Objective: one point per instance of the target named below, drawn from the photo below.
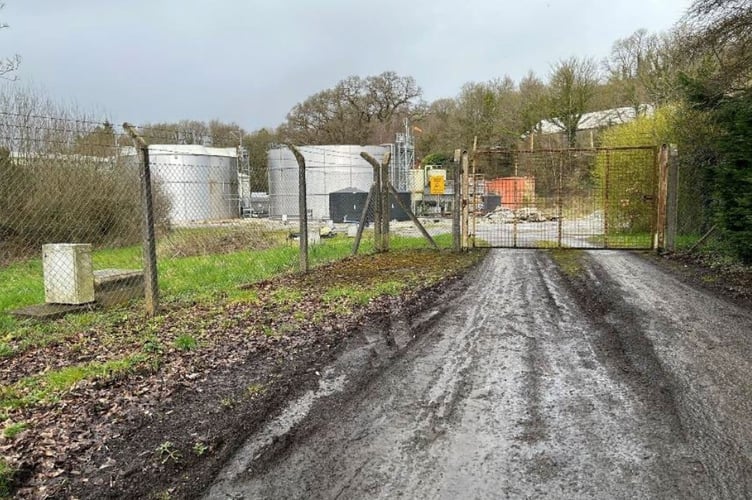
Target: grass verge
(570, 261)
(123, 341)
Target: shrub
(71, 199)
(734, 172)
(61, 179)
(631, 174)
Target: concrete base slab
(111, 287)
(51, 311)
(117, 286)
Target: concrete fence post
(151, 285)
(302, 208)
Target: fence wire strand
(71, 208)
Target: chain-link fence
(694, 198)
(72, 230)
(69, 207)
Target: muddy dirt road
(617, 382)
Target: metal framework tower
(403, 158)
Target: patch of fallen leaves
(732, 280)
(62, 435)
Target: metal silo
(328, 169)
(201, 182)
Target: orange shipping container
(515, 192)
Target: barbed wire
(55, 118)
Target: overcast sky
(251, 61)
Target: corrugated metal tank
(201, 182)
(328, 169)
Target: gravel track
(620, 383)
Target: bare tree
(723, 34)
(572, 85)
(258, 143)
(181, 132)
(224, 135)
(643, 68)
(489, 111)
(533, 95)
(8, 65)
(436, 133)
(357, 110)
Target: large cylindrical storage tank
(201, 182)
(328, 169)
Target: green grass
(547, 244)
(186, 342)
(346, 295)
(19, 335)
(685, 242)
(623, 240)
(13, 429)
(285, 295)
(201, 278)
(49, 386)
(21, 284)
(390, 288)
(6, 478)
(569, 261)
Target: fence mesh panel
(590, 198)
(213, 233)
(69, 205)
(695, 205)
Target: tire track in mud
(507, 395)
(620, 342)
(704, 343)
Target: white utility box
(314, 236)
(68, 273)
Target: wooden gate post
(457, 202)
(660, 226)
(465, 201)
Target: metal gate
(572, 198)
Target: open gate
(570, 198)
